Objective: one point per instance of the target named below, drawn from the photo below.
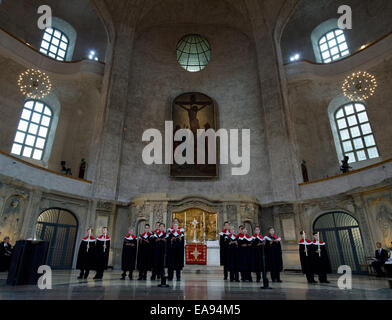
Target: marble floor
(194, 286)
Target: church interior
(77, 97)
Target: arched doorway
(342, 234)
(59, 227)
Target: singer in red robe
(128, 260)
(102, 254)
(86, 255)
(273, 251)
(305, 255)
(320, 259)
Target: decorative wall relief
(11, 218)
(232, 215)
(384, 222)
(157, 213)
(104, 206)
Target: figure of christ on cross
(193, 110)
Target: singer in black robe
(274, 259)
(305, 255)
(159, 254)
(145, 253)
(175, 253)
(245, 256)
(232, 257)
(5, 255)
(223, 247)
(86, 256)
(102, 255)
(258, 258)
(128, 260)
(320, 261)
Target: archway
(343, 236)
(59, 227)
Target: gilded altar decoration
(359, 86)
(200, 226)
(34, 84)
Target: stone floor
(194, 286)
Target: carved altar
(201, 217)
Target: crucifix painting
(194, 111)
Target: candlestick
(104, 242)
(89, 236)
(204, 227)
(185, 227)
(318, 240)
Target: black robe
(223, 246)
(159, 251)
(306, 259)
(145, 252)
(128, 258)
(232, 253)
(320, 262)
(102, 253)
(5, 256)
(244, 253)
(86, 258)
(273, 251)
(258, 255)
(175, 250)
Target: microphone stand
(265, 279)
(163, 283)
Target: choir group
(240, 254)
(150, 251)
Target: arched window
(33, 129)
(333, 46)
(355, 132)
(54, 44)
(329, 42)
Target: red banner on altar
(196, 254)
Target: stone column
(367, 237)
(270, 65)
(111, 139)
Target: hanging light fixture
(34, 84)
(359, 86)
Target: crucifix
(194, 223)
(193, 107)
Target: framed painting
(194, 111)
